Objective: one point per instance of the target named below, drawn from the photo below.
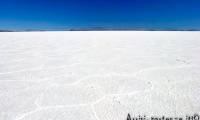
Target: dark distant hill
(193, 30)
(171, 29)
(98, 29)
(86, 29)
(6, 31)
(82, 29)
(32, 30)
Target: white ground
(99, 75)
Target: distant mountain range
(29, 30)
(86, 29)
(6, 31)
(103, 29)
(125, 29)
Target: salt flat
(99, 75)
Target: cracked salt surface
(98, 75)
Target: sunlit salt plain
(99, 75)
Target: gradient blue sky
(110, 14)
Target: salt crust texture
(98, 75)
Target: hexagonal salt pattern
(98, 75)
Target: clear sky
(110, 14)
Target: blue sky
(110, 14)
